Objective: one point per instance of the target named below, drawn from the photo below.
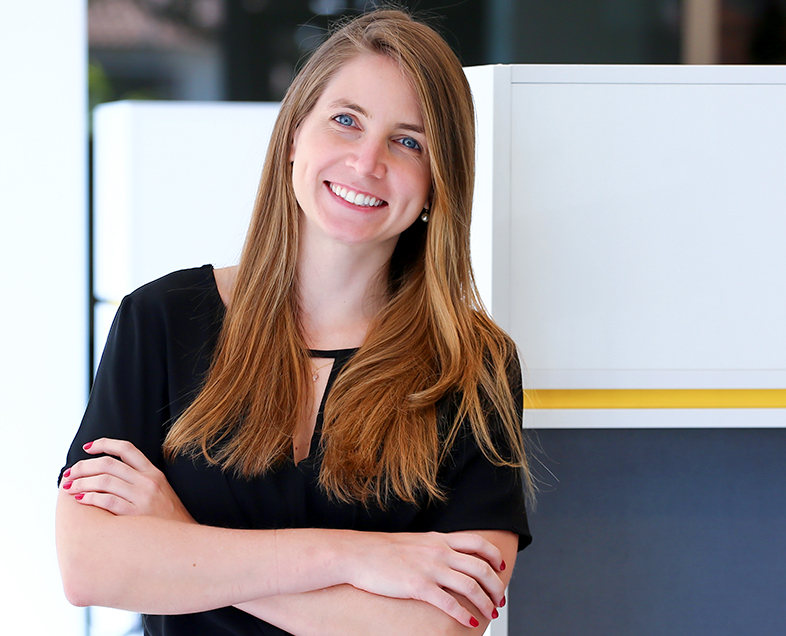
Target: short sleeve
(480, 495)
(128, 399)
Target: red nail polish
(79, 496)
(66, 473)
(87, 446)
(495, 614)
(502, 567)
(67, 485)
(474, 622)
(502, 602)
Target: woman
(273, 448)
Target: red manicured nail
(87, 446)
(67, 485)
(66, 473)
(474, 622)
(502, 567)
(502, 602)
(79, 496)
(495, 614)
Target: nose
(368, 157)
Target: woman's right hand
(428, 567)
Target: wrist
(312, 559)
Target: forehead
(372, 80)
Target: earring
(424, 216)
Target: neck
(341, 288)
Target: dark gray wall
(656, 533)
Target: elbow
(91, 581)
(86, 577)
(75, 596)
(76, 555)
(78, 585)
(75, 591)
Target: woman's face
(360, 168)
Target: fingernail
(87, 446)
(502, 566)
(502, 602)
(67, 485)
(474, 622)
(66, 473)
(495, 614)
(79, 496)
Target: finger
(123, 449)
(103, 465)
(105, 484)
(106, 501)
(470, 589)
(471, 543)
(440, 599)
(480, 571)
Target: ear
(293, 145)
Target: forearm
(346, 611)
(153, 565)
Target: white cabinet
(631, 223)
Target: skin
(118, 519)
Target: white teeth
(356, 197)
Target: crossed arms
(125, 540)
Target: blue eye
(344, 120)
(410, 143)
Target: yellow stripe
(655, 399)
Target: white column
(491, 205)
(43, 319)
(701, 31)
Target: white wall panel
(651, 225)
(43, 348)
(175, 184)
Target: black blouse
(155, 360)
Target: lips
(360, 199)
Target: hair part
(380, 437)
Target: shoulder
(184, 281)
(186, 290)
(181, 309)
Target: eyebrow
(342, 103)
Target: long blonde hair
(433, 341)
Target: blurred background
(248, 49)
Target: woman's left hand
(123, 482)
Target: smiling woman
(325, 439)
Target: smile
(356, 198)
